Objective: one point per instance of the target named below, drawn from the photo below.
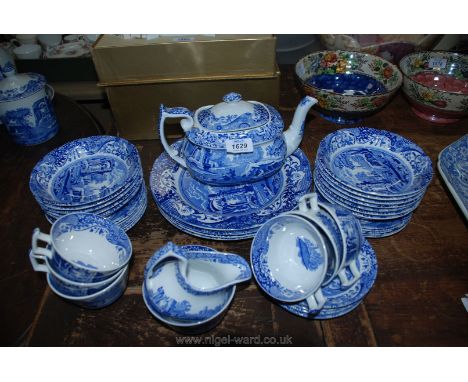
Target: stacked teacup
(311, 260)
(86, 259)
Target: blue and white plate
(453, 166)
(212, 234)
(241, 207)
(375, 162)
(339, 300)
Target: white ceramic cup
(49, 40)
(28, 51)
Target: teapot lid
(233, 114)
(20, 85)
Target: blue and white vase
(26, 108)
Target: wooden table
(423, 270)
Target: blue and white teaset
(236, 175)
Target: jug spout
(293, 136)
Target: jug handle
(186, 123)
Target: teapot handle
(186, 123)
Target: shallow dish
(436, 85)
(370, 82)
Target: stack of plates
(379, 176)
(100, 175)
(230, 212)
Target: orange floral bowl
(348, 85)
(436, 85)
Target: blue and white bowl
(100, 299)
(85, 171)
(100, 175)
(84, 247)
(379, 176)
(375, 162)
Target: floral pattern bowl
(353, 102)
(436, 85)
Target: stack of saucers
(226, 212)
(86, 259)
(314, 261)
(100, 175)
(379, 176)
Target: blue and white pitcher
(26, 108)
(234, 141)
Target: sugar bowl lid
(20, 86)
(233, 114)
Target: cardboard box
(167, 59)
(136, 107)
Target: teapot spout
(293, 136)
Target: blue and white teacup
(26, 108)
(84, 247)
(68, 287)
(352, 237)
(290, 260)
(100, 299)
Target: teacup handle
(38, 263)
(186, 123)
(50, 92)
(308, 203)
(37, 251)
(356, 275)
(316, 301)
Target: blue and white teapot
(234, 141)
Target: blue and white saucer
(240, 208)
(341, 301)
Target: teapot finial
(232, 97)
